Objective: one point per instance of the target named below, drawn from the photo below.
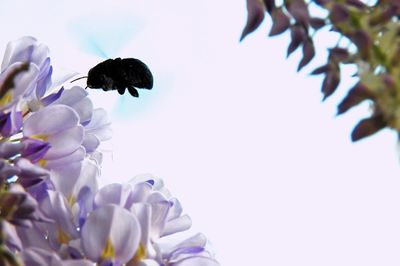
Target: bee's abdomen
(137, 73)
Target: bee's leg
(121, 91)
(133, 91)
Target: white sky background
(264, 169)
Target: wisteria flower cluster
(52, 211)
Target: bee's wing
(138, 74)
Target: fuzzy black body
(120, 74)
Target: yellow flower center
(140, 255)
(6, 98)
(42, 137)
(71, 200)
(108, 251)
(62, 237)
(42, 162)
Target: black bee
(120, 74)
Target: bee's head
(95, 79)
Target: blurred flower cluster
(51, 209)
(371, 30)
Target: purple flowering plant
(52, 211)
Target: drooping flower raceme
(51, 209)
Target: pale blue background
(265, 170)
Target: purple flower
(11, 122)
(34, 149)
(27, 49)
(23, 84)
(33, 82)
(77, 99)
(48, 146)
(96, 130)
(95, 121)
(29, 174)
(120, 224)
(111, 234)
(159, 215)
(12, 240)
(7, 171)
(18, 207)
(40, 257)
(59, 126)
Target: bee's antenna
(79, 78)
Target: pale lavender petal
(97, 157)
(84, 190)
(85, 205)
(50, 120)
(90, 142)
(186, 252)
(155, 182)
(99, 125)
(56, 207)
(39, 57)
(90, 172)
(34, 149)
(76, 97)
(176, 209)
(76, 156)
(71, 96)
(11, 237)
(140, 193)
(65, 142)
(84, 108)
(27, 209)
(158, 218)
(19, 50)
(196, 261)
(24, 82)
(77, 263)
(158, 197)
(45, 69)
(9, 149)
(113, 194)
(7, 170)
(15, 123)
(32, 237)
(40, 257)
(177, 225)
(109, 262)
(196, 240)
(27, 49)
(43, 83)
(115, 225)
(30, 174)
(143, 213)
(10, 123)
(64, 178)
(52, 97)
(39, 191)
(148, 262)
(74, 249)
